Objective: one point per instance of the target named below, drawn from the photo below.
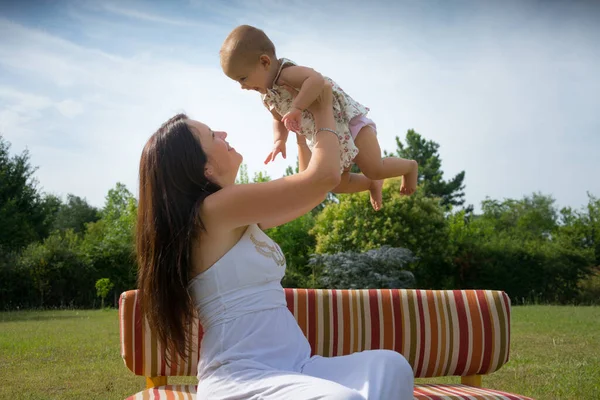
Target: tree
(581, 228)
(297, 244)
(58, 271)
(51, 205)
(103, 287)
(261, 177)
(382, 268)
(109, 242)
(519, 246)
(242, 175)
(16, 287)
(258, 176)
(21, 212)
(291, 171)
(75, 214)
(531, 217)
(593, 222)
(425, 152)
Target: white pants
(374, 374)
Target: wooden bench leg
(471, 380)
(153, 381)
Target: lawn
(70, 354)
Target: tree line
(66, 253)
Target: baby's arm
(310, 83)
(280, 135)
(279, 130)
(308, 80)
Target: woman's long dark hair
(172, 189)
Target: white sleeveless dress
(253, 348)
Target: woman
(201, 249)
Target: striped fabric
(421, 392)
(142, 353)
(447, 392)
(168, 392)
(441, 333)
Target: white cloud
(144, 16)
(69, 108)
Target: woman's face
(223, 161)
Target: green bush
(416, 223)
(383, 268)
(60, 274)
(529, 269)
(589, 288)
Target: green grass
(555, 354)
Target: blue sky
(509, 89)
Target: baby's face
(255, 78)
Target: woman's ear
(208, 170)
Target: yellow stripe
(366, 320)
(427, 327)
(319, 321)
(381, 319)
(495, 334)
(340, 323)
(354, 322)
(454, 332)
(470, 344)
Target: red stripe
(163, 366)
(396, 310)
(508, 395)
(175, 362)
(312, 321)
(335, 322)
(137, 339)
(487, 332)
(464, 334)
(374, 306)
(289, 298)
(420, 393)
(419, 368)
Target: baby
(248, 57)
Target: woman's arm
(282, 200)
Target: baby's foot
(409, 180)
(375, 191)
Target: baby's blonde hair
(243, 47)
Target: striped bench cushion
(441, 333)
(421, 392)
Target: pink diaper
(359, 122)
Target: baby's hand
(278, 147)
(291, 120)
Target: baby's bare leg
(373, 166)
(355, 183)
